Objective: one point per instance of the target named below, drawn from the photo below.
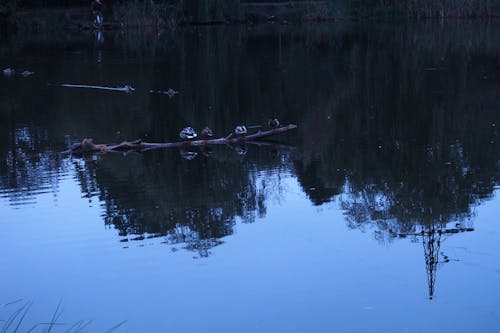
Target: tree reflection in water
(398, 125)
(191, 202)
(407, 142)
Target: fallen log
(87, 145)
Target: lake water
(379, 213)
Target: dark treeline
(170, 13)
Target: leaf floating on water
(27, 73)
(8, 72)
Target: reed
(16, 322)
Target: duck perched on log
(87, 145)
(206, 133)
(238, 135)
(187, 133)
(273, 123)
(240, 130)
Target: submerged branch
(87, 146)
(127, 88)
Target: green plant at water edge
(14, 323)
(15, 319)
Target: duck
(240, 130)
(86, 145)
(207, 132)
(76, 146)
(273, 123)
(187, 133)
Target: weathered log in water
(87, 146)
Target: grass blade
(54, 319)
(27, 307)
(82, 328)
(13, 302)
(75, 326)
(115, 327)
(12, 319)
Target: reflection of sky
(297, 269)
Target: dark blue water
(379, 213)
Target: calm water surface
(379, 213)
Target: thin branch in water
(126, 88)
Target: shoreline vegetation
(59, 14)
(18, 320)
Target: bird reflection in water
(241, 150)
(188, 154)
